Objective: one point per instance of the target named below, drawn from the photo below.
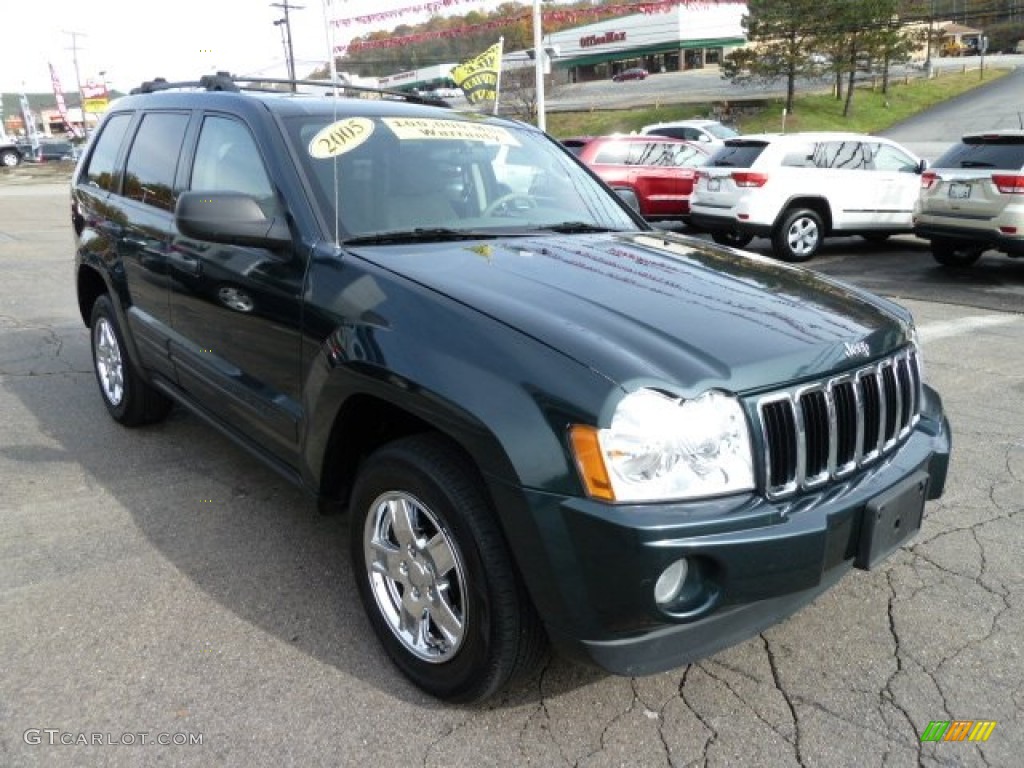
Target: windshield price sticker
(429, 128)
(340, 137)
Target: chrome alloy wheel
(416, 576)
(802, 236)
(109, 364)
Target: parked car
(800, 188)
(710, 132)
(545, 419)
(55, 151)
(633, 73)
(653, 174)
(972, 199)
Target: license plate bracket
(890, 519)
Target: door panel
(236, 310)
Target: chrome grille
(824, 431)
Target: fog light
(671, 581)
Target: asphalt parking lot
(159, 585)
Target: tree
(782, 36)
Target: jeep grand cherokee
(548, 421)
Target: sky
(125, 42)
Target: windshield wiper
(418, 235)
(571, 227)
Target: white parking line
(934, 331)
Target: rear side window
(659, 153)
(1005, 153)
(841, 155)
(614, 153)
(737, 154)
(102, 171)
(153, 158)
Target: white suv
(706, 132)
(799, 188)
(972, 199)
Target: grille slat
(826, 430)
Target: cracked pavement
(161, 581)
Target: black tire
(494, 634)
(876, 238)
(10, 158)
(732, 239)
(798, 236)
(130, 400)
(949, 253)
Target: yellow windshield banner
(416, 128)
(478, 77)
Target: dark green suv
(547, 421)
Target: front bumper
(753, 561)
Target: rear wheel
(952, 254)
(799, 235)
(434, 573)
(732, 239)
(130, 400)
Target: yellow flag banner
(478, 77)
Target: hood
(658, 308)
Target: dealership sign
(589, 41)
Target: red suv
(654, 174)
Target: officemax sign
(588, 41)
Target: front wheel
(129, 399)
(952, 254)
(434, 573)
(732, 239)
(9, 158)
(799, 235)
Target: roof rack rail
(224, 81)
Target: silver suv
(799, 188)
(973, 199)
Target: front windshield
(375, 176)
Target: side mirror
(229, 217)
(922, 166)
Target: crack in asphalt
(789, 739)
(542, 710)
(776, 679)
(887, 688)
(52, 349)
(637, 698)
(707, 725)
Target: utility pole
(288, 27)
(78, 79)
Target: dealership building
(680, 37)
(683, 37)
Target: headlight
(660, 448)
